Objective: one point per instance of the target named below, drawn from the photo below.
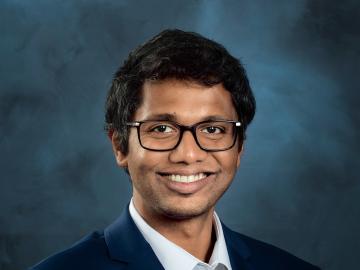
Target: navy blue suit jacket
(122, 247)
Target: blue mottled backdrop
(298, 186)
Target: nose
(187, 151)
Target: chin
(184, 212)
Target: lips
(186, 178)
(183, 177)
(185, 182)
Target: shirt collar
(170, 255)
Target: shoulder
(89, 253)
(266, 256)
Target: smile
(186, 182)
(186, 178)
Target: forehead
(188, 102)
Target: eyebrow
(172, 117)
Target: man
(176, 115)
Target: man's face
(154, 193)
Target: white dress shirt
(173, 257)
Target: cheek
(228, 161)
(142, 162)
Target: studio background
(298, 184)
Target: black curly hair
(180, 55)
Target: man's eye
(213, 130)
(162, 129)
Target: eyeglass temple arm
(133, 124)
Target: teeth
(186, 178)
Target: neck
(196, 235)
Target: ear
(121, 159)
(239, 155)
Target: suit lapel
(239, 252)
(126, 244)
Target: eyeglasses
(156, 135)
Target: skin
(182, 212)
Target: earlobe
(121, 159)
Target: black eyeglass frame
(182, 129)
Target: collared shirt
(173, 257)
